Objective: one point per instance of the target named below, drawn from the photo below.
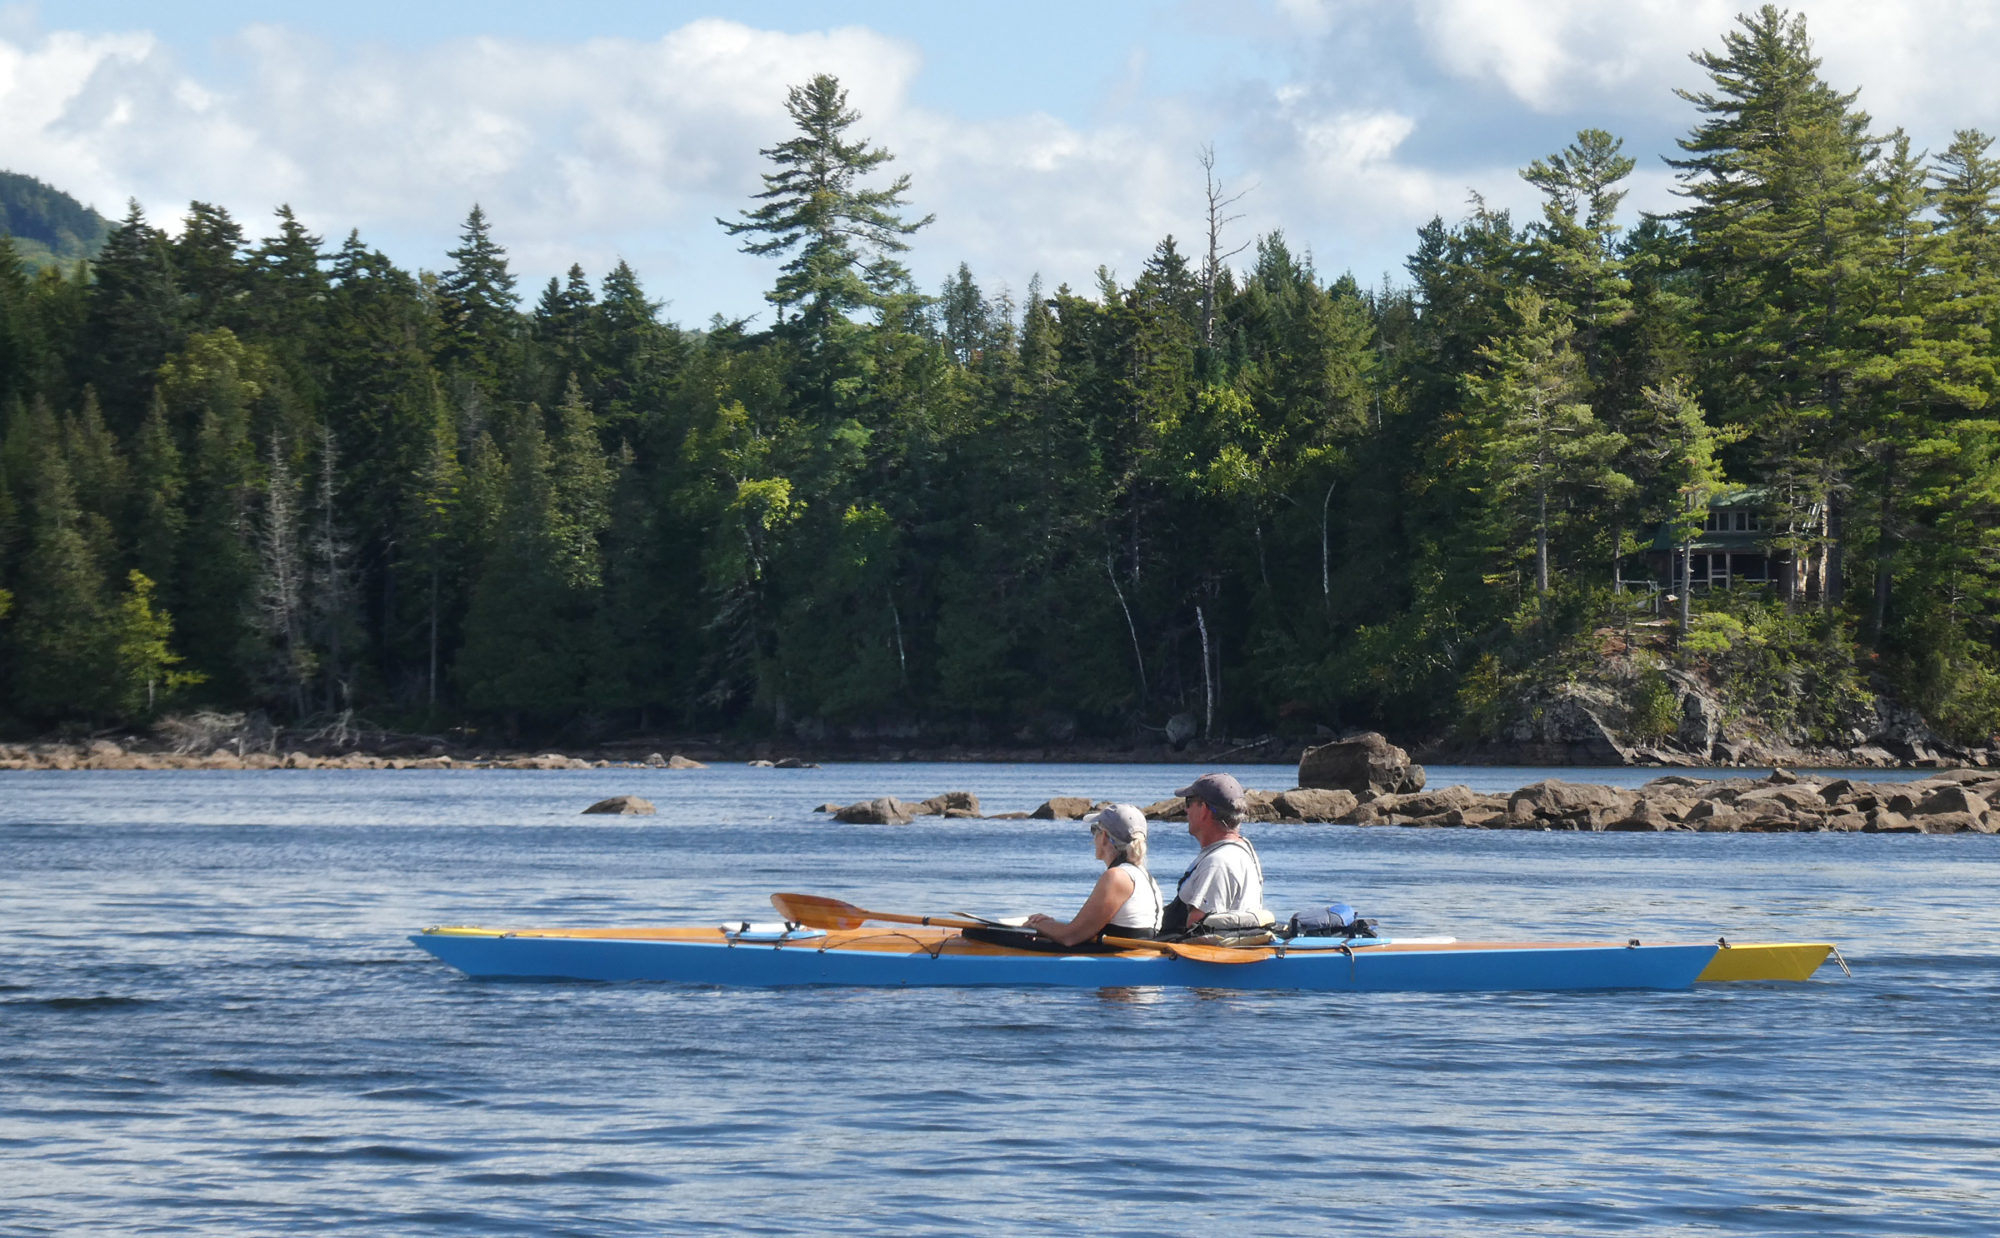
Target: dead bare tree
(1219, 202)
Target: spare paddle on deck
(813, 911)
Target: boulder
(1954, 799)
(1646, 817)
(1785, 798)
(1889, 821)
(1456, 797)
(760, 763)
(1768, 822)
(1314, 804)
(1677, 780)
(1569, 804)
(1063, 808)
(885, 811)
(1366, 762)
(1717, 820)
(1180, 729)
(951, 802)
(677, 761)
(1163, 810)
(827, 808)
(1847, 822)
(794, 763)
(1436, 820)
(1952, 822)
(1261, 805)
(623, 806)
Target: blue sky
(1046, 137)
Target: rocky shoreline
(1363, 781)
(1367, 781)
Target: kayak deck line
(922, 955)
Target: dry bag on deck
(1336, 920)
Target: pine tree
(1536, 444)
(842, 238)
(136, 317)
(1781, 218)
(156, 519)
(522, 657)
(61, 656)
(209, 265)
(476, 302)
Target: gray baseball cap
(1217, 791)
(1121, 823)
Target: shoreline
(132, 752)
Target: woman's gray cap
(1217, 791)
(1121, 823)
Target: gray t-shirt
(1224, 877)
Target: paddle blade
(1192, 952)
(815, 912)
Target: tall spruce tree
(136, 317)
(1781, 217)
(841, 237)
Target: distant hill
(47, 224)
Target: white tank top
(1144, 908)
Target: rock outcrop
(623, 806)
(887, 810)
(1365, 762)
(1063, 808)
(951, 804)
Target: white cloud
(1925, 64)
(1359, 122)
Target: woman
(1125, 902)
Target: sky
(1047, 138)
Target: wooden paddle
(813, 911)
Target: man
(1226, 876)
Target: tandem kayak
(778, 955)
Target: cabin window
(1752, 569)
(1742, 522)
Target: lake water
(211, 1023)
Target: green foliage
(1279, 497)
(1654, 710)
(1795, 669)
(143, 661)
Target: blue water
(210, 1022)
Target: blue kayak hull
(1459, 968)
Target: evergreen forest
(283, 473)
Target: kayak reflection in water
(1126, 900)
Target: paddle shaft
(815, 911)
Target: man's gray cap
(1217, 791)
(1121, 823)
